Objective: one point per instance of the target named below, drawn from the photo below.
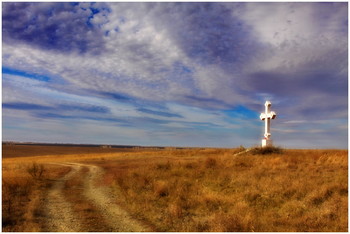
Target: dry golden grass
(24, 186)
(15, 193)
(210, 190)
(195, 189)
(21, 194)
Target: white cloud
(296, 34)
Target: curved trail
(61, 217)
(117, 218)
(243, 152)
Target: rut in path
(117, 218)
(60, 216)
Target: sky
(175, 74)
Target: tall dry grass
(211, 190)
(27, 175)
(194, 189)
(23, 186)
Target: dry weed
(209, 190)
(212, 190)
(23, 185)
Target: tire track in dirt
(60, 216)
(243, 152)
(116, 217)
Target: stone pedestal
(266, 142)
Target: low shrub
(161, 189)
(210, 162)
(36, 170)
(163, 166)
(267, 150)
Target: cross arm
(271, 115)
(262, 116)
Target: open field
(173, 190)
(42, 150)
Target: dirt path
(117, 218)
(243, 152)
(60, 215)
(62, 218)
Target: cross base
(266, 142)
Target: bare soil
(60, 215)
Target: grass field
(191, 189)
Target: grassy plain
(22, 191)
(193, 189)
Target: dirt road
(62, 218)
(60, 215)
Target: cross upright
(267, 116)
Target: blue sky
(175, 74)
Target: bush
(163, 166)
(161, 189)
(210, 162)
(36, 171)
(267, 150)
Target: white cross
(267, 116)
